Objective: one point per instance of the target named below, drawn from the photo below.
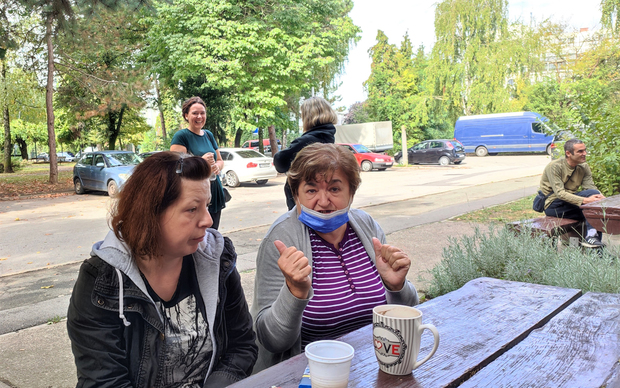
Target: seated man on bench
(561, 181)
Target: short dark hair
(323, 159)
(570, 145)
(188, 104)
(153, 186)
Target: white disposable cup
(330, 363)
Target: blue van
(504, 132)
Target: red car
(367, 159)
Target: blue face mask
(324, 223)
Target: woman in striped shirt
(323, 266)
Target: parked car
(442, 151)
(104, 171)
(44, 156)
(367, 159)
(145, 155)
(245, 165)
(66, 157)
(253, 144)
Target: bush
(503, 255)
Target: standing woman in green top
(200, 142)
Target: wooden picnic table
(494, 333)
(604, 215)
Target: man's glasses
(179, 169)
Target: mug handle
(435, 346)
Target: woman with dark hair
(323, 266)
(200, 142)
(159, 303)
(318, 119)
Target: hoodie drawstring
(121, 297)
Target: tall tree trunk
(238, 137)
(49, 102)
(8, 167)
(272, 140)
(161, 113)
(111, 129)
(114, 127)
(23, 147)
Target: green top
(199, 145)
(562, 181)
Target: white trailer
(377, 136)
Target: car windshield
(250, 154)
(361, 149)
(127, 159)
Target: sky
(395, 17)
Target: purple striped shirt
(346, 288)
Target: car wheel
(112, 188)
(459, 162)
(77, 184)
(549, 150)
(231, 179)
(261, 182)
(444, 161)
(366, 166)
(482, 151)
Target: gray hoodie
(206, 261)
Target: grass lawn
(508, 212)
(32, 179)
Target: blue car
(104, 171)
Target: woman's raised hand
(296, 269)
(392, 265)
(209, 157)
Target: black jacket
(110, 354)
(323, 133)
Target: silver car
(104, 171)
(246, 165)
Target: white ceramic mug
(396, 335)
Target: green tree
(100, 74)
(393, 88)
(253, 56)
(16, 31)
(58, 15)
(585, 101)
(466, 57)
(358, 113)
(610, 10)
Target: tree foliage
(252, 54)
(610, 10)
(473, 56)
(358, 113)
(100, 74)
(394, 88)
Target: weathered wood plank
(579, 348)
(604, 215)
(476, 323)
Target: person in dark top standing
(200, 142)
(318, 119)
